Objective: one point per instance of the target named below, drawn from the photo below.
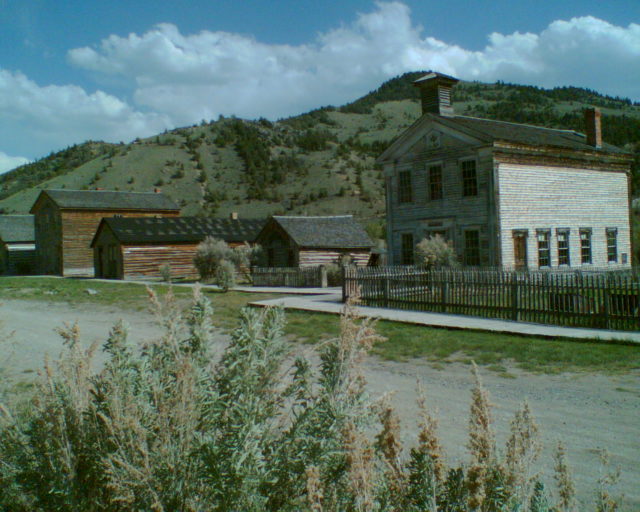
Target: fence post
(514, 298)
(323, 276)
(444, 293)
(344, 284)
(607, 306)
(385, 291)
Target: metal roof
(180, 229)
(17, 228)
(109, 200)
(338, 231)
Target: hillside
(321, 162)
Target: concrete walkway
(331, 303)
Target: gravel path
(586, 411)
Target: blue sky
(76, 70)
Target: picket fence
(606, 300)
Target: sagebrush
(171, 427)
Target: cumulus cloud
(11, 162)
(175, 79)
(191, 77)
(36, 119)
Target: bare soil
(587, 411)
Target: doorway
(520, 249)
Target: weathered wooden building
(506, 194)
(137, 248)
(66, 222)
(312, 241)
(17, 245)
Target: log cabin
(66, 222)
(17, 245)
(138, 248)
(505, 194)
(291, 241)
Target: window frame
(561, 249)
(469, 183)
(583, 248)
(407, 250)
(547, 234)
(614, 232)
(435, 184)
(405, 187)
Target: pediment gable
(427, 135)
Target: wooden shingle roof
(530, 135)
(330, 232)
(180, 229)
(17, 228)
(109, 200)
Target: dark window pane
(407, 249)
(404, 187)
(469, 178)
(472, 248)
(435, 182)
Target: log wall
(317, 257)
(78, 230)
(144, 262)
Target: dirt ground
(586, 411)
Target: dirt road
(586, 411)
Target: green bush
(167, 427)
(435, 251)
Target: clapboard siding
(545, 197)
(454, 213)
(317, 257)
(145, 261)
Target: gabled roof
(528, 134)
(17, 228)
(179, 229)
(491, 131)
(334, 232)
(108, 200)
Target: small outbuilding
(137, 248)
(291, 241)
(17, 245)
(66, 222)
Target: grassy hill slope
(321, 162)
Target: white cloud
(176, 79)
(35, 119)
(191, 77)
(8, 163)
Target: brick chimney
(157, 190)
(435, 93)
(593, 127)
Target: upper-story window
(585, 246)
(435, 182)
(469, 178)
(405, 189)
(563, 247)
(612, 245)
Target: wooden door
(520, 251)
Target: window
(469, 178)
(612, 245)
(406, 254)
(404, 187)
(563, 247)
(435, 182)
(472, 248)
(544, 248)
(585, 246)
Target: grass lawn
(405, 341)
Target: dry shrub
(164, 427)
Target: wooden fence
(305, 277)
(607, 300)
